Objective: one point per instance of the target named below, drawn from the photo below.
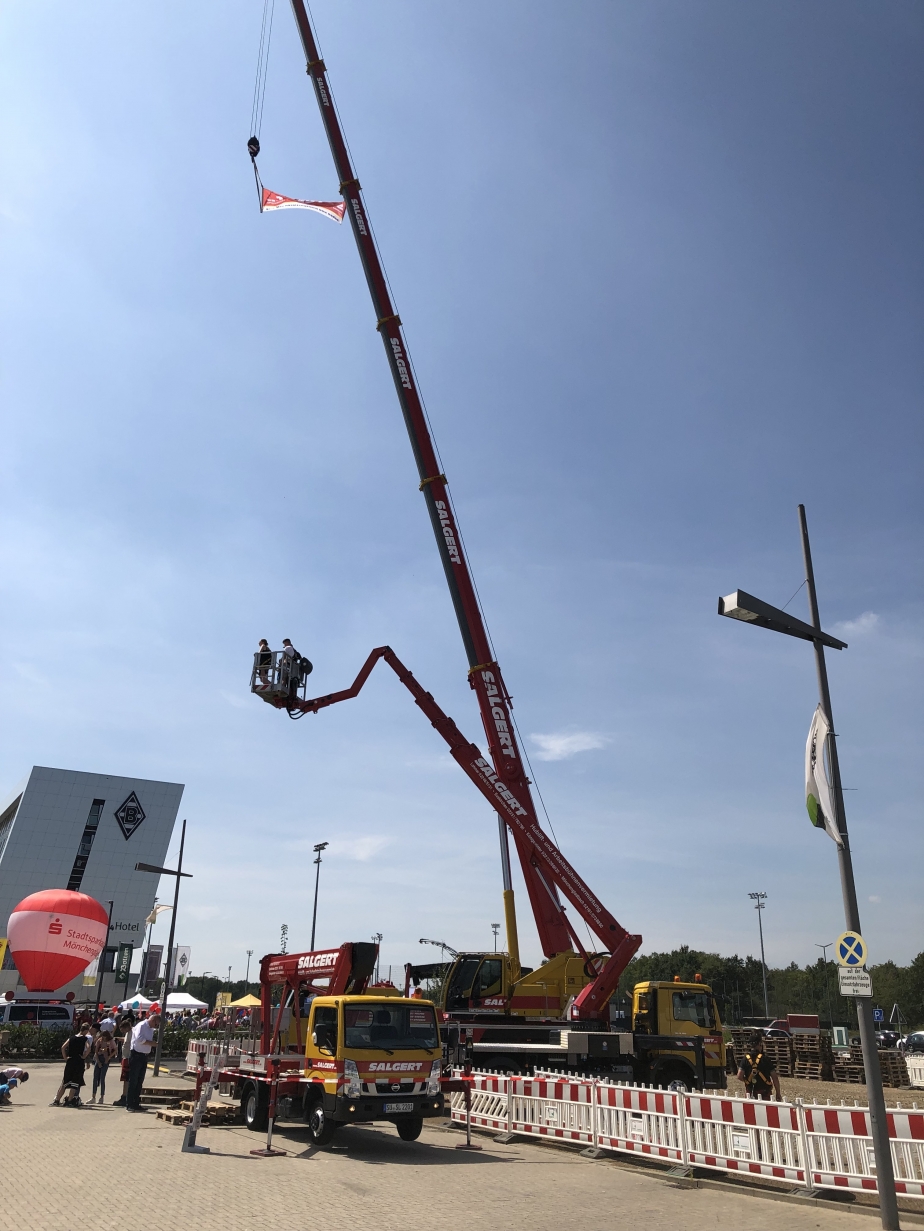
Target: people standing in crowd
(104, 1052)
(126, 1025)
(74, 1053)
(143, 1038)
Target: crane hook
(253, 147)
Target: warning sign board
(854, 982)
(851, 949)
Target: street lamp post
(179, 874)
(759, 899)
(743, 606)
(317, 876)
(247, 975)
(824, 954)
(495, 928)
(378, 940)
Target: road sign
(854, 982)
(878, 1015)
(851, 950)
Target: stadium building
(63, 829)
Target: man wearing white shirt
(144, 1036)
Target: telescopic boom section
(544, 868)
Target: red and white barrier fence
(203, 1052)
(816, 1146)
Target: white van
(36, 1012)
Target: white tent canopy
(182, 1000)
(136, 1002)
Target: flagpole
(879, 1128)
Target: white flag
(179, 966)
(819, 790)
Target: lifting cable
(259, 90)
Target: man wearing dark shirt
(758, 1072)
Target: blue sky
(660, 270)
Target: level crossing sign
(851, 950)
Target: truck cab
(371, 1058)
(679, 1010)
(489, 983)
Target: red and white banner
(330, 209)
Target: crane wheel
(320, 1129)
(409, 1128)
(255, 1107)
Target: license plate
(393, 1107)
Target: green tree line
(738, 985)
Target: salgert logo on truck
(394, 1066)
(318, 961)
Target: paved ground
(101, 1169)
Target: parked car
(34, 1013)
(913, 1042)
(887, 1038)
(777, 1028)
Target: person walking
(143, 1039)
(103, 1054)
(758, 1071)
(74, 1053)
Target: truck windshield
(693, 1007)
(390, 1027)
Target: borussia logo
(130, 815)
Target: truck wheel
(255, 1107)
(409, 1128)
(320, 1129)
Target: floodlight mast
(544, 876)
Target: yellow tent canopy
(245, 1002)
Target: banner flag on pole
(330, 209)
(819, 793)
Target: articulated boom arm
(545, 868)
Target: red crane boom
(545, 869)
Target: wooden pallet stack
(780, 1052)
(813, 1058)
(849, 1067)
(894, 1069)
(739, 1045)
(216, 1113)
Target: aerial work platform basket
(279, 677)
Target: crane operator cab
(279, 675)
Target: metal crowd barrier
(816, 1146)
(204, 1052)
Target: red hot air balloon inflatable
(54, 935)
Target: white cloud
(864, 623)
(559, 746)
(874, 897)
(361, 849)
